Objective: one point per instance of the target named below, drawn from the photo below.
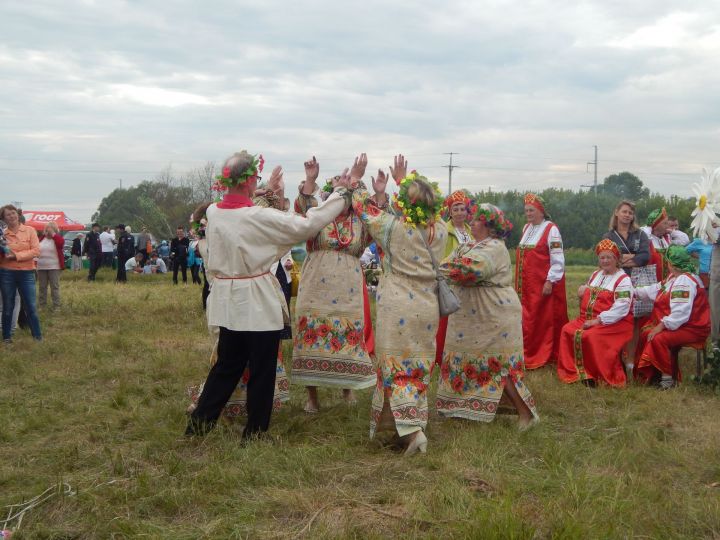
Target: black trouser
(107, 258)
(95, 262)
(206, 289)
(179, 264)
(121, 275)
(195, 273)
(236, 350)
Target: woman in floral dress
(484, 348)
(332, 310)
(407, 306)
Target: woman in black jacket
(635, 255)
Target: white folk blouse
(243, 244)
(532, 235)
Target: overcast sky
(95, 92)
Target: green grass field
(100, 405)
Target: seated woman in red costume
(681, 316)
(590, 346)
(540, 284)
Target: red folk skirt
(543, 317)
(594, 353)
(654, 356)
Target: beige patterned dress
(484, 342)
(407, 314)
(329, 347)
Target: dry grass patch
(100, 405)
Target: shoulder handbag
(447, 300)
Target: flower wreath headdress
(414, 211)
(231, 177)
(492, 217)
(328, 187)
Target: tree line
(168, 200)
(584, 216)
(161, 204)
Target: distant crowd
(137, 254)
(29, 258)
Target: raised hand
(380, 183)
(358, 168)
(399, 171)
(276, 184)
(312, 169)
(342, 180)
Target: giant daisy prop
(707, 193)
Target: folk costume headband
(493, 218)
(656, 217)
(537, 201)
(457, 197)
(608, 245)
(416, 211)
(681, 259)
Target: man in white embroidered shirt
(246, 301)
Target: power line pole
(450, 169)
(594, 163)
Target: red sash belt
(243, 277)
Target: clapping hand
(380, 183)
(399, 171)
(358, 168)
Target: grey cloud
(522, 90)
